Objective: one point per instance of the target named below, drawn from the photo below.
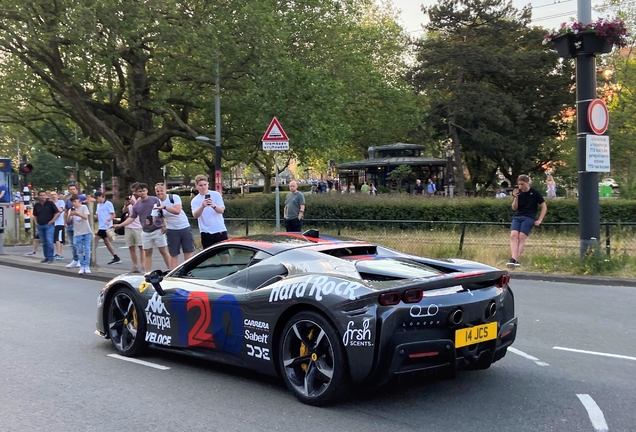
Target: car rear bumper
(434, 354)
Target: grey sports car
(325, 314)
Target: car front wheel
(312, 359)
(126, 324)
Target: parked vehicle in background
(609, 182)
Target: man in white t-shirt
(208, 208)
(178, 231)
(58, 233)
(104, 215)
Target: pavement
(14, 257)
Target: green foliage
(138, 80)
(592, 264)
(499, 93)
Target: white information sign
(597, 153)
(275, 145)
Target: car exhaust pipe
(491, 310)
(456, 317)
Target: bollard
(1, 230)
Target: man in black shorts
(525, 202)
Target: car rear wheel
(312, 359)
(126, 324)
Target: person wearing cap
(104, 216)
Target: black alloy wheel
(126, 323)
(312, 359)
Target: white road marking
(528, 356)
(595, 353)
(596, 415)
(141, 362)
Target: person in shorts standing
(60, 223)
(525, 202)
(104, 215)
(133, 236)
(178, 231)
(152, 225)
(208, 208)
(294, 208)
(79, 215)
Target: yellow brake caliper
(135, 318)
(304, 350)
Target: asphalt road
(56, 375)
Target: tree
(137, 78)
(495, 91)
(399, 174)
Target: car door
(205, 313)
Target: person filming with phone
(153, 229)
(525, 202)
(208, 208)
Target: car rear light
(503, 280)
(412, 296)
(504, 334)
(424, 354)
(389, 298)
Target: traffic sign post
(275, 139)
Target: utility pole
(589, 211)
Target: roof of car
(279, 242)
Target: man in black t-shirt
(45, 212)
(525, 202)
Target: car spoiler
(413, 290)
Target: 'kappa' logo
(156, 305)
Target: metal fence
(485, 241)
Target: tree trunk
(457, 149)
(140, 165)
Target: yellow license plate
(473, 335)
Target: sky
(546, 13)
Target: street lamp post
(77, 173)
(218, 175)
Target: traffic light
(26, 168)
(18, 207)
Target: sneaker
(58, 257)
(135, 270)
(82, 270)
(87, 270)
(73, 264)
(115, 260)
(47, 261)
(512, 263)
(30, 253)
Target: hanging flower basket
(564, 45)
(570, 45)
(594, 38)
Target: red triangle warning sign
(275, 132)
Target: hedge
(407, 207)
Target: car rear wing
(449, 283)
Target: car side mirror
(155, 278)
